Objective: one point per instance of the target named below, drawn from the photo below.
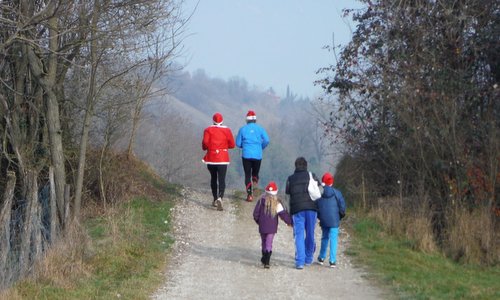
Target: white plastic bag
(313, 188)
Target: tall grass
(469, 235)
(119, 254)
(417, 275)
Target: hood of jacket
(328, 191)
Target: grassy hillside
(117, 252)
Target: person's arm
(230, 139)
(256, 211)
(284, 215)
(239, 139)
(206, 140)
(265, 139)
(342, 206)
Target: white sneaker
(219, 203)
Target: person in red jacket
(217, 139)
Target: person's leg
(213, 179)
(325, 231)
(221, 174)
(263, 247)
(310, 244)
(269, 242)
(269, 249)
(255, 171)
(333, 235)
(298, 233)
(247, 168)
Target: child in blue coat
(331, 208)
(266, 213)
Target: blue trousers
(304, 223)
(329, 235)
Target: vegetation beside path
(118, 252)
(416, 275)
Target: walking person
(217, 140)
(266, 213)
(304, 212)
(252, 139)
(331, 209)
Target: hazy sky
(270, 43)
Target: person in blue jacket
(331, 209)
(252, 139)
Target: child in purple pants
(266, 213)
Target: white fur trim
(250, 118)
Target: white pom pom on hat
(272, 188)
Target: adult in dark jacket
(331, 206)
(304, 213)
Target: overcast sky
(270, 43)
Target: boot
(267, 260)
(262, 259)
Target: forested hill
(170, 136)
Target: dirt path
(217, 256)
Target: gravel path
(217, 256)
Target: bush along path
(217, 255)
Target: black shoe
(333, 265)
(321, 260)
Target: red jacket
(217, 140)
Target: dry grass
(472, 237)
(419, 229)
(64, 262)
(410, 221)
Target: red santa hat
(272, 188)
(251, 116)
(327, 179)
(217, 118)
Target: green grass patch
(417, 275)
(160, 184)
(127, 256)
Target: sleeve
(206, 140)
(284, 215)
(256, 211)
(287, 189)
(239, 139)
(342, 206)
(265, 139)
(230, 139)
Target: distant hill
(175, 124)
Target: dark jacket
(330, 205)
(296, 187)
(268, 223)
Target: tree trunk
(89, 112)
(28, 222)
(5, 216)
(53, 207)
(47, 81)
